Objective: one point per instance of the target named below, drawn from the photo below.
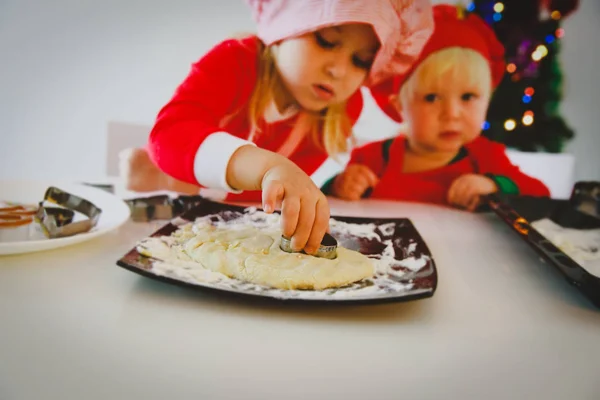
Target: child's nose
(451, 108)
(337, 67)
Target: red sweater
(214, 98)
(482, 156)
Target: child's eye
(322, 42)
(431, 97)
(468, 96)
(362, 64)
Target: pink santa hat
(402, 26)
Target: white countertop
(501, 325)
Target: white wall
(68, 67)
(580, 55)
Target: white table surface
(501, 325)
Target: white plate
(29, 238)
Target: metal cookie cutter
(327, 249)
(145, 209)
(58, 222)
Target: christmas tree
(524, 111)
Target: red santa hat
(454, 27)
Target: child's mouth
(324, 92)
(449, 135)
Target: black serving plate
(519, 211)
(406, 283)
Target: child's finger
(357, 189)
(372, 178)
(451, 196)
(366, 181)
(468, 193)
(272, 194)
(476, 198)
(349, 195)
(471, 197)
(355, 181)
(462, 194)
(290, 211)
(354, 195)
(359, 179)
(320, 226)
(458, 196)
(351, 189)
(473, 203)
(306, 220)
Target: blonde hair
(329, 130)
(457, 63)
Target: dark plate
(402, 284)
(519, 212)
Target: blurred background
(72, 68)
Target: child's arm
(304, 208)
(186, 141)
(188, 144)
(508, 177)
(496, 174)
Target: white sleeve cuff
(212, 158)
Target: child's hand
(466, 190)
(353, 182)
(304, 208)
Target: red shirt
(483, 157)
(214, 98)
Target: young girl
(444, 100)
(262, 113)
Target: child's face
(326, 67)
(447, 115)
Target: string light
(540, 52)
(497, 17)
(511, 68)
(550, 39)
(527, 118)
(510, 124)
(555, 15)
(471, 7)
(560, 32)
(542, 49)
(485, 126)
(499, 7)
(526, 99)
(529, 91)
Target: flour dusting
(393, 272)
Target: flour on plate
(389, 273)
